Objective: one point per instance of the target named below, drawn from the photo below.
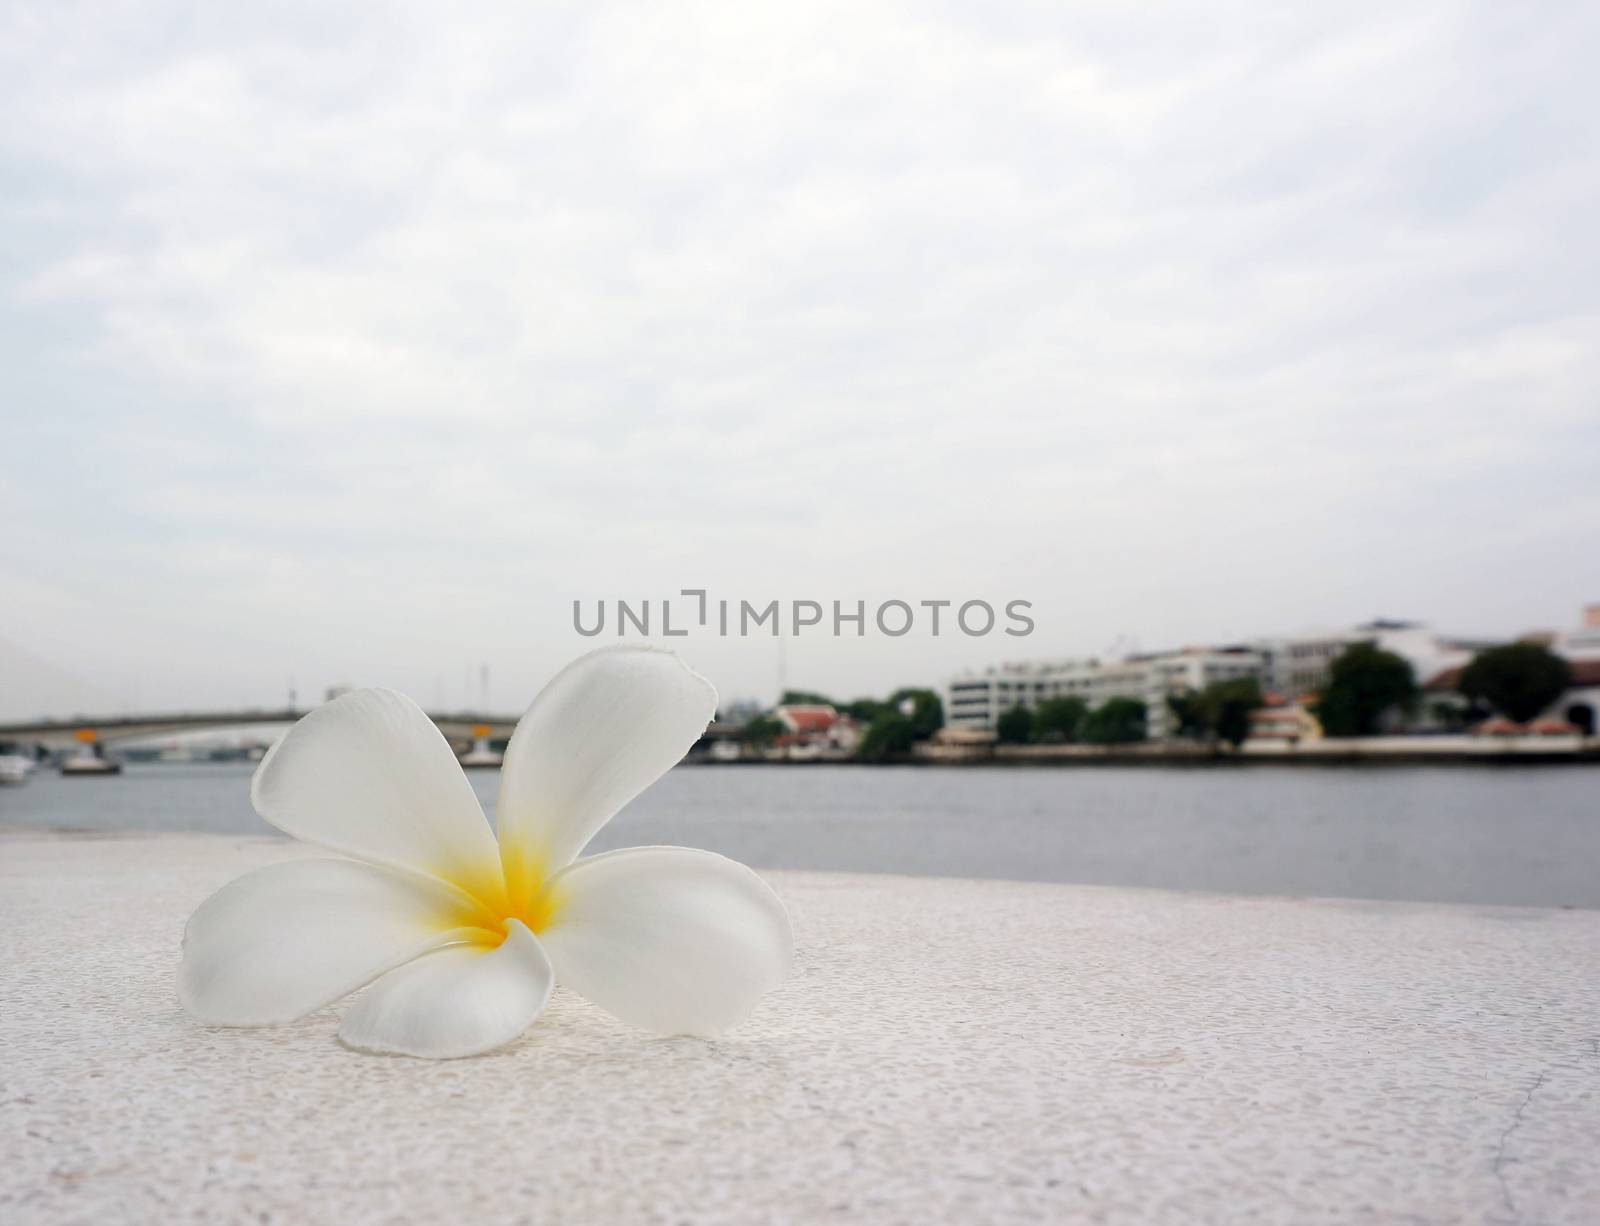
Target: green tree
(1227, 706)
(1188, 710)
(1117, 721)
(864, 710)
(1364, 684)
(1450, 714)
(1518, 679)
(804, 698)
(889, 736)
(926, 713)
(1060, 718)
(1014, 727)
(762, 730)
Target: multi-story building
(1298, 664)
(1427, 651)
(1292, 666)
(1295, 666)
(1578, 706)
(977, 700)
(1194, 668)
(1584, 642)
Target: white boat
(480, 756)
(90, 764)
(14, 768)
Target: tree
(1518, 679)
(864, 710)
(804, 698)
(1451, 714)
(1227, 706)
(1364, 684)
(1117, 721)
(1060, 718)
(1188, 710)
(926, 711)
(906, 716)
(890, 735)
(762, 730)
(1014, 727)
(1220, 712)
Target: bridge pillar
(480, 756)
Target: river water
(1490, 834)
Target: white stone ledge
(948, 1051)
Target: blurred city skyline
(340, 347)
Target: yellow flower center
(487, 906)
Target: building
(1584, 642)
(1578, 708)
(1191, 669)
(977, 700)
(1299, 664)
(1580, 705)
(1427, 651)
(1287, 723)
(815, 731)
(1295, 667)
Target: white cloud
(324, 314)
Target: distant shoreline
(1368, 751)
(1159, 761)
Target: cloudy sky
(347, 345)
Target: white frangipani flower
(461, 938)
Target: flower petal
(460, 1001)
(287, 939)
(369, 775)
(606, 727)
(674, 940)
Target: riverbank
(1342, 751)
(1194, 755)
(947, 1051)
(1339, 751)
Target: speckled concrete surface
(948, 1051)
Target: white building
(1290, 665)
(977, 700)
(1578, 706)
(1584, 642)
(1427, 651)
(1298, 665)
(816, 731)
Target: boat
(480, 756)
(90, 764)
(90, 758)
(15, 764)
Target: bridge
(463, 729)
(57, 734)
